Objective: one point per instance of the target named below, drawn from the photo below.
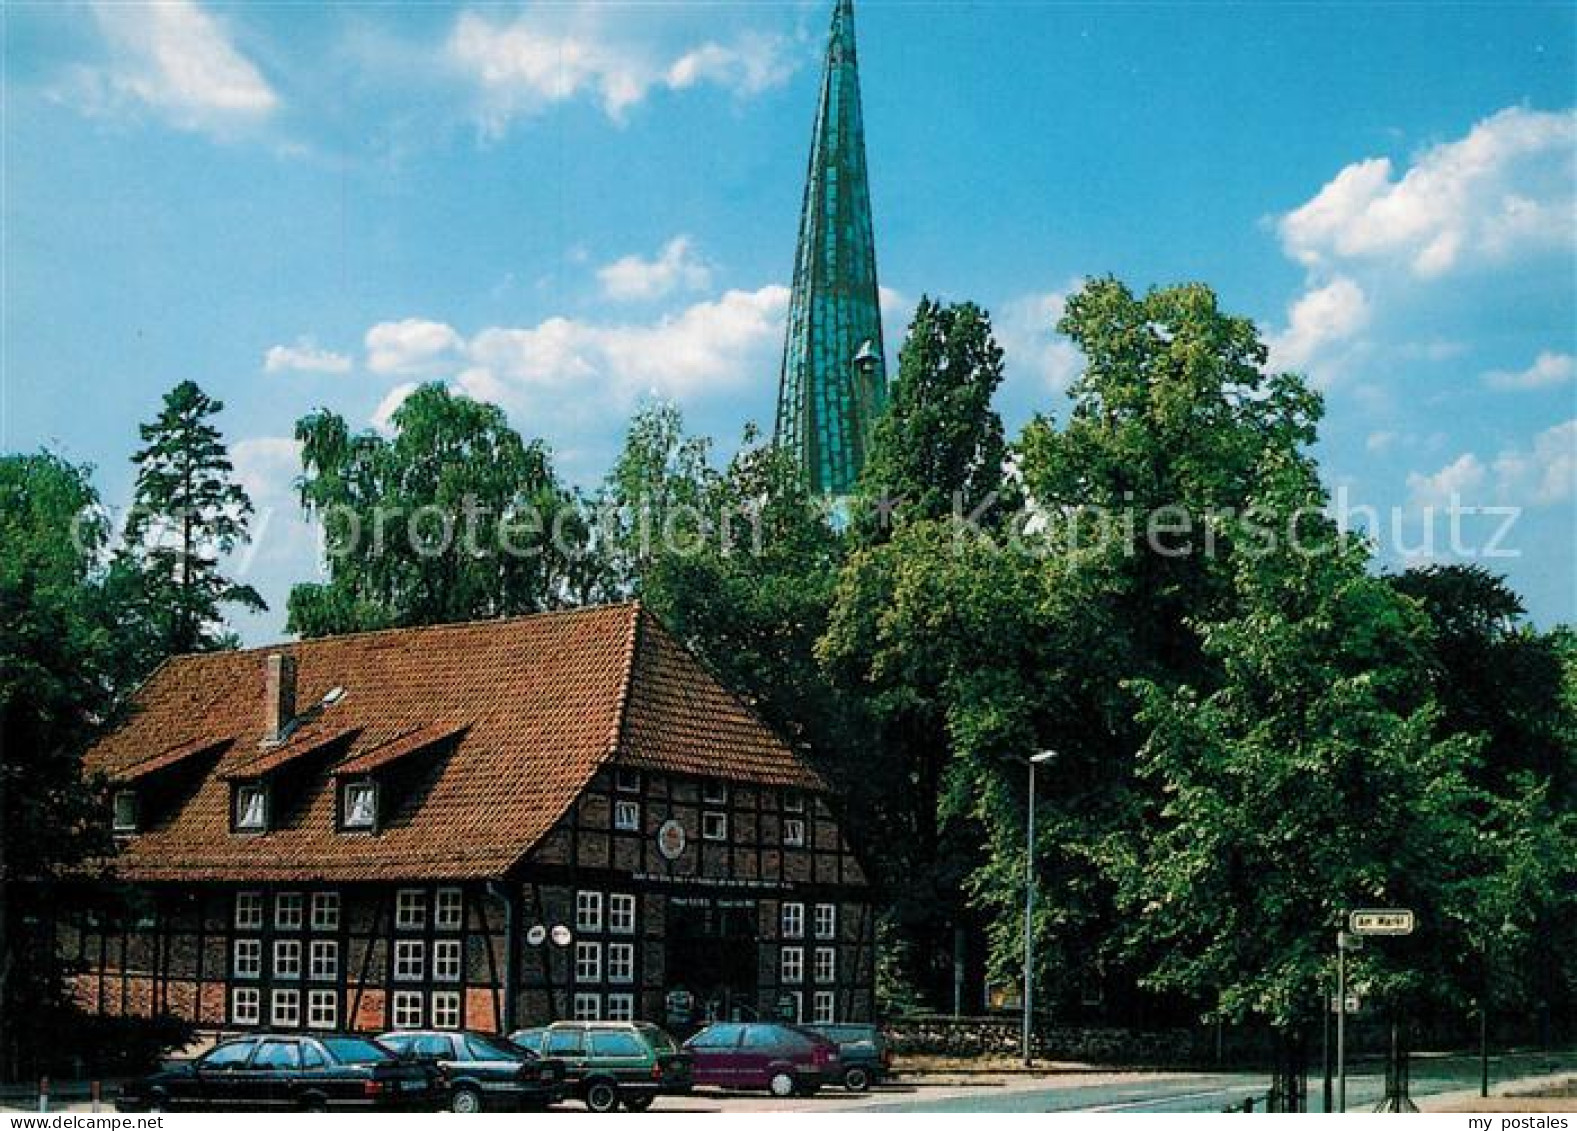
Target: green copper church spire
(834, 380)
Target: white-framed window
(249, 910)
(406, 1010)
(410, 960)
(714, 792)
(322, 1009)
(588, 962)
(323, 960)
(449, 909)
(798, 1008)
(621, 962)
(793, 832)
(251, 808)
(446, 1009)
(124, 812)
(588, 1007)
(627, 816)
(287, 958)
(823, 1008)
(793, 803)
(446, 960)
(588, 911)
(621, 1007)
(627, 781)
(248, 959)
(246, 1006)
(714, 826)
(325, 911)
(621, 914)
(410, 909)
(288, 911)
(791, 969)
(360, 805)
(826, 964)
(285, 1009)
(793, 921)
(826, 920)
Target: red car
(782, 1059)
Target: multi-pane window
(446, 1010)
(449, 909)
(793, 920)
(621, 962)
(714, 826)
(285, 1009)
(288, 911)
(621, 914)
(792, 967)
(796, 1006)
(826, 964)
(251, 808)
(248, 959)
(621, 1007)
(322, 1009)
(714, 792)
(125, 812)
(627, 781)
(588, 962)
(410, 909)
(627, 816)
(246, 1006)
(793, 832)
(325, 911)
(409, 960)
(823, 1011)
(793, 803)
(324, 961)
(406, 1009)
(287, 958)
(446, 960)
(588, 911)
(826, 920)
(360, 805)
(588, 1007)
(249, 909)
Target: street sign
(1390, 921)
(1354, 1005)
(1348, 941)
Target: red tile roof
(400, 746)
(543, 701)
(168, 759)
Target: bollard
(43, 1093)
(1248, 1106)
(95, 1090)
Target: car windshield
(354, 1050)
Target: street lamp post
(1029, 907)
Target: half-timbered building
(485, 825)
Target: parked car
(862, 1052)
(477, 1071)
(608, 1063)
(270, 1071)
(786, 1060)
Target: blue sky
(568, 208)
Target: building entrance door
(712, 955)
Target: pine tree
(187, 513)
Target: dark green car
(609, 1063)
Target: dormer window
(251, 808)
(359, 809)
(124, 815)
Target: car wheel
(856, 1079)
(314, 1104)
(638, 1103)
(466, 1101)
(602, 1096)
(781, 1085)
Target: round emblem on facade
(670, 839)
(561, 935)
(537, 935)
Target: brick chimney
(279, 696)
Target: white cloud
(1459, 481)
(413, 347)
(1504, 189)
(1031, 346)
(383, 415)
(1544, 474)
(178, 59)
(547, 55)
(1548, 370)
(304, 357)
(1320, 322)
(267, 467)
(676, 267)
